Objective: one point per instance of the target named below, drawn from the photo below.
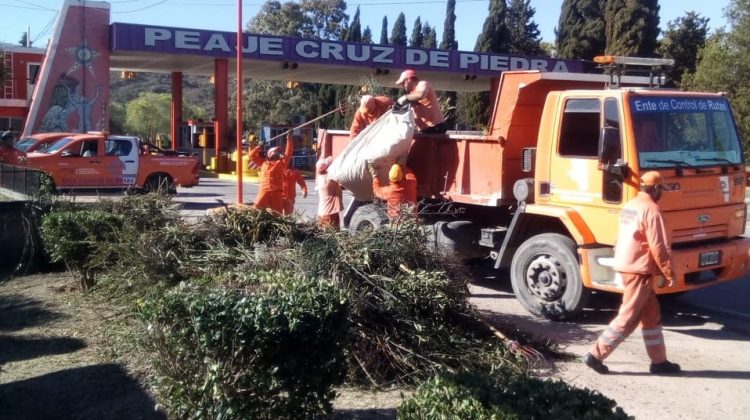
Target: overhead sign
(159, 39)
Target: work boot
(596, 364)
(665, 367)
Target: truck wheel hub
(545, 278)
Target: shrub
(87, 241)
(271, 350)
(480, 396)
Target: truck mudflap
(694, 267)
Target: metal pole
(240, 196)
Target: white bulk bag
(383, 142)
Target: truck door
(124, 160)
(80, 165)
(576, 180)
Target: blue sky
(17, 15)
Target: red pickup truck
(101, 161)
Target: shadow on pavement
(92, 392)
(18, 312)
(712, 374)
(17, 348)
(365, 414)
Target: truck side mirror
(610, 149)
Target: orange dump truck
(540, 191)
(102, 161)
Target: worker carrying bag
(384, 142)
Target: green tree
(429, 36)
(367, 35)
(524, 32)
(449, 27)
(398, 33)
(354, 32)
(324, 19)
(632, 27)
(475, 108)
(117, 117)
(684, 37)
(723, 65)
(24, 40)
(272, 102)
(384, 31)
(148, 115)
(277, 19)
(580, 32)
(417, 38)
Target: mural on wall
(72, 94)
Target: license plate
(710, 258)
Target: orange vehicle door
(83, 165)
(577, 182)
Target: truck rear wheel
(368, 218)
(546, 277)
(161, 184)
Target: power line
(44, 30)
(35, 6)
(145, 7)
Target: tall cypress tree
(495, 37)
(417, 40)
(449, 27)
(384, 31)
(632, 27)
(524, 32)
(398, 33)
(367, 35)
(449, 43)
(354, 33)
(581, 30)
(428, 36)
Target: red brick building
(20, 67)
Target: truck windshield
(52, 148)
(682, 131)
(25, 143)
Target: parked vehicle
(39, 141)
(539, 193)
(100, 161)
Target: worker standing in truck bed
(424, 104)
(370, 109)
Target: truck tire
(546, 277)
(368, 218)
(160, 184)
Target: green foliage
(632, 27)
(417, 37)
(429, 35)
(449, 27)
(384, 31)
(277, 19)
(326, 18)
(523, 31)
(684, 37)
(87, 241)
(367, 35)
(271, 102)
(398, 33)
(354, 31)
(480, 396)
(273, 353)
(148, 115)
(580, 32)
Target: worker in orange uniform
(9, 155)
(330, 201)
(401, 191)
(292, 178)
(642, 253)
(370, 109)
(424, 104)
(272, 167)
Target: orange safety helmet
(395, 174)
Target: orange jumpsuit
(425, 106)
(641, 251)
(329, 197)
(292, 178)
(397, 193)
(363, 119)
(271, 189)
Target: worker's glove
(372, 170)
(402, 100)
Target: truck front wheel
(368, 218)
(546, 277)
(161, 184)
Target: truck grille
(700, 234)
